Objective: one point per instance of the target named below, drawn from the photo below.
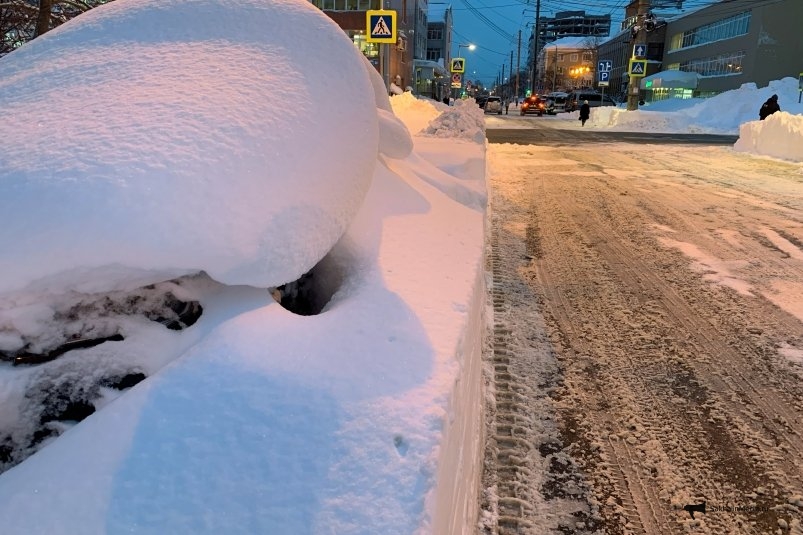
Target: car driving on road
(533, 104)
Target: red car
(533, 104)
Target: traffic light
(528, 93)
(649, 22)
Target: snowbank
(780, 135)
(721, 114)
(416, 113)
(363, 418)
(727, 113)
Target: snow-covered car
(493, 105)
(556, 102)
(576, 99)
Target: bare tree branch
(22, 20)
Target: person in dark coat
(769, 107)
(585, 112)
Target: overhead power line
(488, 22)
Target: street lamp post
(470, 46)
(579, 72)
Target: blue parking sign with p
(604, 76)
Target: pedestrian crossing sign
(458, 65)
(380, 26)
(637, 68)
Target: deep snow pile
(731, 112)
(464, 120)
(780, 135)
(109, 118)
(722, 113)
(206, 405)
(416, 112)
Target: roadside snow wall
(780, 135)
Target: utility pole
(518, 68)
(536, 39)
(511, 73)
(555, 69)
(503, 81)
(638, 37)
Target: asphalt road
(532, 130)
(646, 348)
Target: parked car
(481, 101)
(576, 98)
(556, 102)
(533, 104)
(493, 105)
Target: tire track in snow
(530, 484)
(668, 393)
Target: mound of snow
(780, 135)
(721, 114)
(414, 112)
(177, 145)
(464, 120)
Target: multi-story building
(574, 24)
(718, 47)
(564, 24)
(431, 72)
(568, 63)
(738, 41)
(619, 48)
(391, 60)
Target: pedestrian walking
(769, 107)
(585, 112)
(507, 105)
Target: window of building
(560, 58)
(433, 54)
(435, 34)
(721, 65)
(574, 57)
(371, 50)
(588, 56)
(722, 29)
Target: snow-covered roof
(673, 79)
(571, 42)
(434, 65)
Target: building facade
(391, 60)
(725, 44)
(567, 64)
(432, 75)
(574, 24)
(738, 41)
(619, 48)
(563, 25)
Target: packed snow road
(646, 368)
